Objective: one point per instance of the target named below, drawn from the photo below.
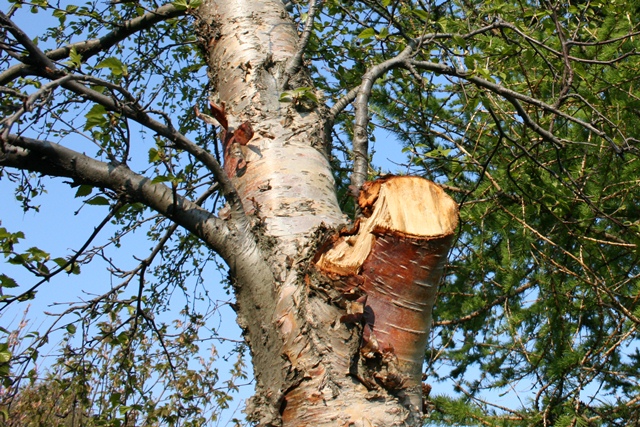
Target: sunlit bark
(317, 360)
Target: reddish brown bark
(392, 266)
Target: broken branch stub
(398, 252)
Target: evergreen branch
(498, 301)
(569, 43)
(515, 98)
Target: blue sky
(60, 227)
(63, 224)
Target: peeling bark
(281, 174)
(311, 367)
(287, 180)
(389, 268)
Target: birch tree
(245, 130)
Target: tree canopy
(524, 111)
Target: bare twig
(70, 262)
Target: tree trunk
(337, 327)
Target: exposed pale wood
(395, 257)
(402, 205)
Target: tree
(523, 111)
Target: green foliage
(114, 64)
(75, 59)
(115, 357)
(540, 299)
(187, 4)
(302, 98)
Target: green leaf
(61, 15)
(97, 116)
(38, 254)
(438, 152)
(75, 59)
(98, 201)
(180, 4)
(286, 97)
(486, 74)
(186, 4)
(70, 268)
(71, 328)
(19, 259)
(367, 33)
(154, 155)
(161, 178)
(115, 65)
(7, 282)
(305, 92)
(422, 14)
(84, 190)
(459, 40)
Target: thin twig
(70, 262)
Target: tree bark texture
(337, 322)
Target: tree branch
(360, 97)
(48, 69)
(343, 102)
(55, 160)
(88, 48)
(361, 106)
(293, 64)
(514, 98)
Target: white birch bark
(308, 364)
